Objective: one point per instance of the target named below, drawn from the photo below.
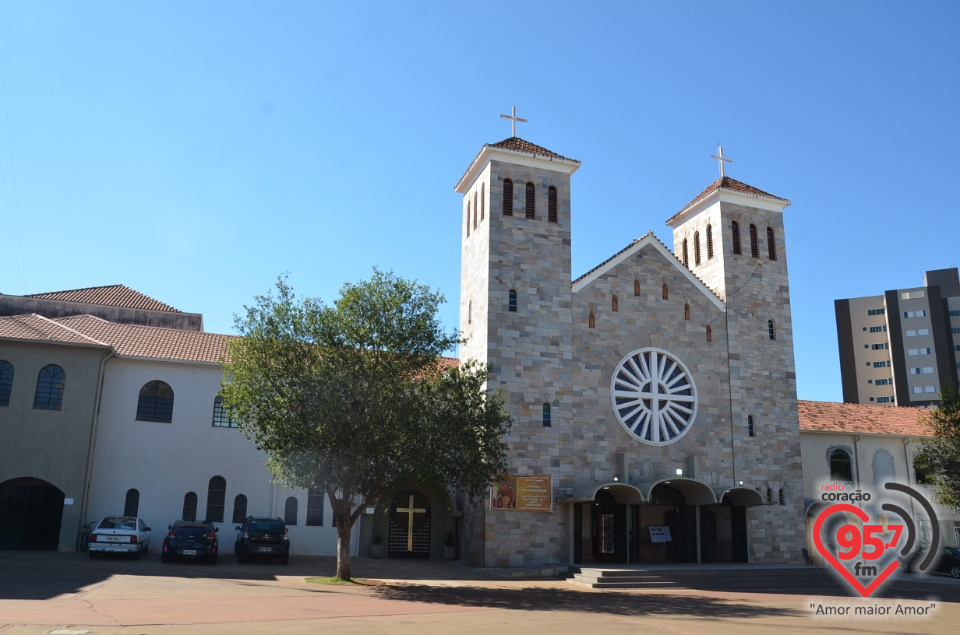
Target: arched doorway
(409, 532)
(30, 514)
(680, 518)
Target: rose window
(654, 396)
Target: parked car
(262, 537)
(191, 539)
(119, 534)
(950, 562)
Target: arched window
(6, 382)
(546, 415)
(468, 219)
(735, 230)
(474, 210)
(771, 245)
(636, 287)
(666, 292)
(189, 506)
(769, 496)
(686, 311)
(131, 503)
(239, 508)
(686, 262)
(531, 200)
(552, 204)
(614, 303)
(709, 242)
(220, 417)
(512, 301)
(754, 245)
(314, 508)
(507, 197)
(840, 467)
(771, 331)
(750, 429)
(155, 402)
(216, 497)
(483, 200)
(696, 248)
(780, 497)
(50, 383)
(709, 333)
(591, 320)
(290, 510)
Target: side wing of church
(653, 398)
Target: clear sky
(194, 151)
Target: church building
(653, 397)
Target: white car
(119, 534)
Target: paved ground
(69, 594)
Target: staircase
(757, 578)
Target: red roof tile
(726, 183)
(38, 328)
(130, 340)
(517, 144)
(851, 418)
(113, 295)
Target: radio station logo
(865, 554)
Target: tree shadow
(610, 602)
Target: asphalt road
(70, 594)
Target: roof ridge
(74, 331)
(143, 326)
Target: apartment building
(901, 347)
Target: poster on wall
(523, 494)
(659, 533)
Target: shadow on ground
(608, 602)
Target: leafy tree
(940, 454)
(355, 399)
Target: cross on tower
(721, 159)
(410, 511)
(514, 119)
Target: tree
(355, 399)
(940, 454)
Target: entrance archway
(30, 514)
(409, 532)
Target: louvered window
(696, 248)
(474, 210)
(771, 245)
(483, 201)
(686, 260)
(507, 197)
(468, 219)
(709, 242)
(552, 204)
(735, 230)
(754, 245)
(531, 201)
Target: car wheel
(955, 572)
(285, 558)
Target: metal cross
(514, 119)
(721, 159)
(410, 511)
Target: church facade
(653, 398)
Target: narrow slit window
(696, 248)
(546, 415)
(771, 245)
(552, 204)
(636, 287)
(468, 219)
(771, 330)
(666, 291)
(750, 429)
(780, 497)
(686, 262)
(512, 301)
(474, 210)
(686, 311)
(507, 197)
(614, 304)
(483, 200)
(709, 333)
(591, 320)
(754, 245)
(709, 242)
(531, 200)
(735, 231)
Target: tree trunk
(344, 522)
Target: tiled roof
(517, 144)
(726, 183)
(130, 340)
(113, 295)
(851, 418)
(36, 327)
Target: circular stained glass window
(654, 396)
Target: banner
(523, 494)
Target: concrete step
(740, 579)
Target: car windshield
(118, 523)
(266, 526)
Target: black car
(262, 537)
(190, 539)
(950, 562)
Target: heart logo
(831, 558)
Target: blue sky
(195, 151)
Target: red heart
(829, 557)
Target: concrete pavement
(69, 594)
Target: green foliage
(940, 454)
(355, 399)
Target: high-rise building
(901, 347)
